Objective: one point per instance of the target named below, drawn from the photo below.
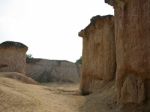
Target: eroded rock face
(98, 58)
(43, 70)
(132, 32)
(12, 57)
(132, 90)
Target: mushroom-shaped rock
(12, 57)
(98, 58)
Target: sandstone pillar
(98, 58)
(12, 57)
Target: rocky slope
(43, 70)
(18, 76)
(16, 96)
(20, 97)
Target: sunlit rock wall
(98, 58)
(132, 31)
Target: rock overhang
(95, 22)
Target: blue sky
(49, 27)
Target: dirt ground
(16, 96)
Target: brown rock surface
(98, 58)
(12, 57)
(132, 31)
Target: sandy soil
(53, 97)
(19, 97)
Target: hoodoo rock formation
(98, 58)
(132, 33)
(12, 57)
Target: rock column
(12, 57)
(98, 58)
(132, 33)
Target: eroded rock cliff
(132, 51)
(43, 70)
(98, 58)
